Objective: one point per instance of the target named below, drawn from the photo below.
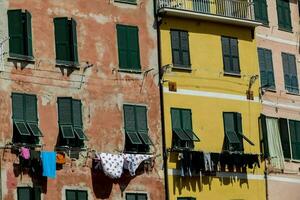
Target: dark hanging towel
(186, 163)
(197, 162)
(215, 158)
(252, 161)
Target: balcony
(237, 12)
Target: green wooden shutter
(74, 41)
(24, 193)
(36, 193)
(28, 38)
(129, 118)
(230, 127)
(133, 48)
(239, 130)
(226, 54)
(175, 44)
(71, 195)
(31, 108)
(16, 32)
(176, 119)
(62, 39)
(141, 197)
(263, 68)
(141, 118)
(269, 68)
(82, 195)
(293, 73)
(184, 47)
(18, 107)
(295, 138)
(130, 197)
(284, 136)
(286, 70)
(186, 117)
(234, 53)
(65, 111)
(77, 113)
(260, 11)
(264, 136)
(122, 47)
(284, 15)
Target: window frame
(136, 195)
(287, 72)
(287, 25)
(76, 193)
(258, 4)
(139, 133)
(32, 192)
(228, 70)
(268, 69)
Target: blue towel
(49, 164)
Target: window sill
(130, 71)
(286, 30)
(273, 90)
(292, 93)
(237, 75)
(20, 58)
(182, 69)
(67, 64)
(120, 1)
(137, 152)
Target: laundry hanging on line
(49, 164)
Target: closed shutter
(24, 193)
(286, 70)
(293, 73)
(65, 111)
(36, 193)
(18, 107)
(295, 138)
(264, 136)
(175, 43)
(133, 48)
(130, 197)
(82, 195)
(129, 118)
(77, 113)
(234, 51)
(269, 68)
(122, 46)
(185, 54)
(226, 54)
(263, 68)
(16, 32)
(260, 11)
(284, 136)
(176, 119)
(62, 39)
(284, 14)
(142, 197)
(28, 38)
(71, 195)
(31, 108)
(74, 41)
(141, 117)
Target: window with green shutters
(230, 52)
(180, 49)
(183, 134)
(76, 195)
(70, 122)
(66, 41)
(127, 1)
(266, 68)
(284, 15)
(290, 73)
(136, 128)
(261, 11)
(136, 196)
(290, 138)
(25, 119)
(128, 48)
(20, 34)
(28, 193)
(233, 130)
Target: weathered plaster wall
(279, 104)
(102, 89)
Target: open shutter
(142, 127)
(284, 136)
(62, 40)
(263, 68)
(31, 108)
(269, 69)
(18, 107)
(16, 32)
(177, 126)
(239, 130)
(175, 44)
(65, 111)
(185, 53)
(226, 54)
(229, 128)
(122, 46)
(187, 124)
(234, 51)
(133, 48)
(74, 41)
(28, 38)
(130, 124)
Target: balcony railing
(240, 9)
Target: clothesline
(224, 151)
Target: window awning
(22, 128)
(145, 137)
(67, 131)
(79, 132)
(232, 137)
(34, 128)
(133, 137)
(186, 134)
(247, 139)
(192, 135)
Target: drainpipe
(164, 150)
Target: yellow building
(211, 100)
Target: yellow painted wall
(207, 112)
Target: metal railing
(241, 9)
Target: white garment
(207, 162)
(98, 165)
(274, 143)
(133, 161)
(112, 164)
